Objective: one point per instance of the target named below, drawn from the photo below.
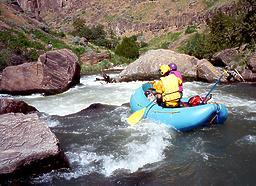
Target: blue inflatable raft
(182, 118)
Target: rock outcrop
(158, 16)
(229, 58)
(248, 75)
(53, 73)
(27, 146)
(252, 62)
(206, 71)
(147, 66)
(225, 57)
(15, 106)
(92, 58)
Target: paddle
(138, 115)
(214, 86)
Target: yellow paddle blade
(136, 117)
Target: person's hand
(151, 82)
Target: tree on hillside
(95, 34)
(225, 31)
(128, 48)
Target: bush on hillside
(128, 48)
(197, 46)
(119, 60)
(31, 55)
(225, 32)
(47, 38)
(190, 29)
(5, 56)
(95, 34)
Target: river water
(104, 150)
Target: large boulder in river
(54, 72)
(206, 71)
(225, 57)
(248, 75)
(146, 67)
(11, 105)
(27, 146)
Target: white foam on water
(50, 122)
(82, 96)
(247, 140)
(84, 160)
(140, 153)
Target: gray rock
(248, 75)
(252, 62)
(27, 146)
(55, 72)
(225, 57)
(11, 105)
(147, 66)
(207, 72)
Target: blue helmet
(173, 66)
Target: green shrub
(119, 60)
(60, 34)
(105, 64)
(31, 55)
(209, 3)
(78, 50)
(46, 38)
(128, 48)
(190, 29)
(225, 32)
(197, 46)
(96, 34)
(90, 69)
(165, 45)
(5, 56)
(162, 41)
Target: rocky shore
(27, 145)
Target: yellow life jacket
(170, 88)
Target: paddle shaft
(213, 87)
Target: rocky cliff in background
(53, 73)
(125, 17)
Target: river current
(104, 150)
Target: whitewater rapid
(135, 147)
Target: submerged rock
(27, 146)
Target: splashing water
(105, 144)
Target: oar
(138, 115)
(239, 75)
(214, 86)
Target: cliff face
(121, 16)
(43, 6)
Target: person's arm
(179, 81)
(158, 85)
